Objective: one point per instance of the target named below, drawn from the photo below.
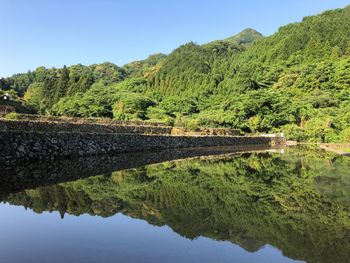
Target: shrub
(131, 106)
(12, 116)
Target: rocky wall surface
(44, 126)
(112, 127)
(17, 146)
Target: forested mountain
(296, 81)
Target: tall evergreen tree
(48, 92)
(84, 83)
(62, 84)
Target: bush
(131, 106)
(12, 116)
(155, 114)
(345, 135)
(294, 132)
(178, 105)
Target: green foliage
(132, 85)
(297, 79)
(107, 72)
(33, 95)
(58, 83)
(144, 68)
(294, 132)
(173, 105)
(12, 116)
(246, 37)
(131, 106)
(345, 135)
(62, 84)
(155, 114)
(96, 102)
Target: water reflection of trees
(298, 203)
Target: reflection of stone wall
(25, 146)
(35, 174)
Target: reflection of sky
(29, 237)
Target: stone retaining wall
(102, 121)
(17, 146)
(55, 127)
(37, 125)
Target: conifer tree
(62, 84)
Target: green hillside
(296, 81)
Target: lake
(214, 205)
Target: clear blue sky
(59, 32)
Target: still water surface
(245, 207)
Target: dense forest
(296, 81)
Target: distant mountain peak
(245, 37)
(250, 30)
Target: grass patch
(12, 116)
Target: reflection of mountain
(250, 200)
